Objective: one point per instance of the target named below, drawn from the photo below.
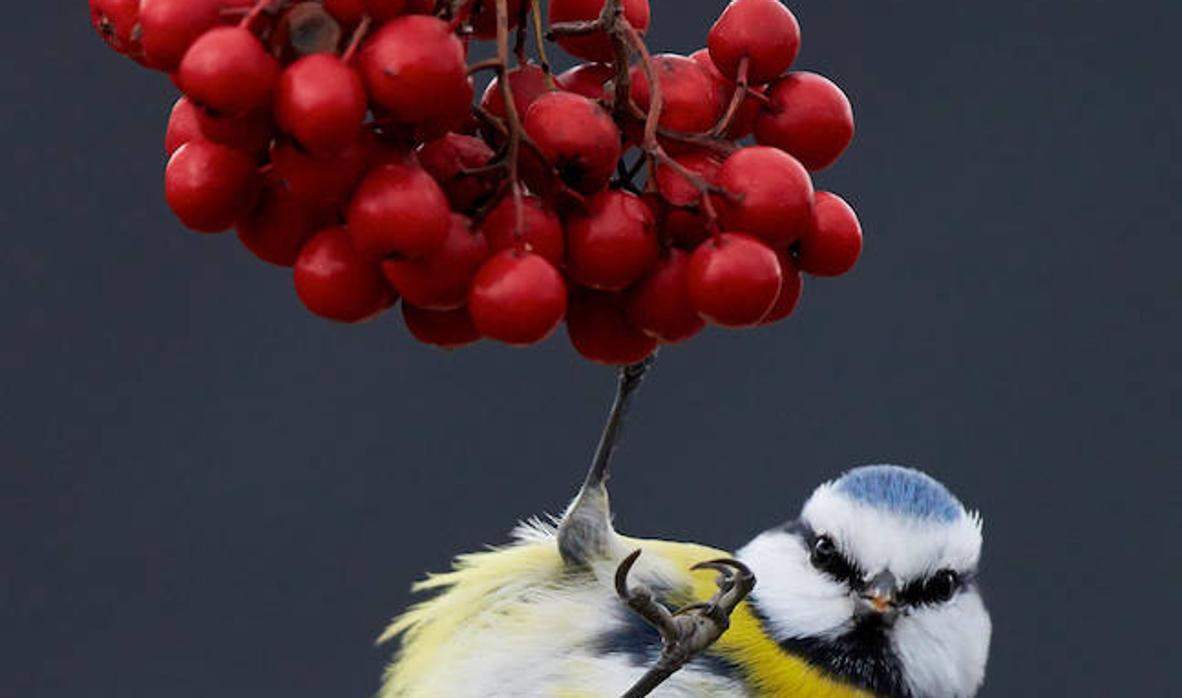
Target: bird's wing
(518, 621)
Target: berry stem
(535, 10)
(249, 18)
(359, 35)
(512, 118)
(651, 144)
(741, 91)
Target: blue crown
(900, 490)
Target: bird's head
(875, 584)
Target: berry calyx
(116, 22)
(734, 280)
(577, 138)
(518, 298)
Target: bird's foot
(690, 631)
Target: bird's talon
(683, 634)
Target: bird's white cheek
(796, 599)
(944, 649)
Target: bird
(871, 592)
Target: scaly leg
(586, 532)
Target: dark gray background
(206, 491)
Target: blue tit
(871, 591)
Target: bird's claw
(692, 629)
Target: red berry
(834, 242)
(384, 10)
(734, 280)
(771, 195)
(398, 210)
(182, 125)
(447, 329)
(337, 282)
(692, 102)
(169, 27)
(415, 70)
(613, 243)
(660, 303)
(484, 17)
(321, 102)
(447, 159)
(250, 133)
(577, 137)
(229, 71)
(683, 219)
(347, 12)
(763, 31)
(744, 119)
(209, 186)
(116, 22)
(421, 7)
(440, 281)
(596, 46)
(319, 181)
(599, 329)
(276, 230)
(518, 298)
(526, 83)
(808, 117)
(541, 231)
(790, 289)
(587, 79)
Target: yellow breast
(768, 669)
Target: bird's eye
(941, 586)
(824, 552)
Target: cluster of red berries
(636, 197)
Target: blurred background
(204, 490)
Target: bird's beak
(878, 597)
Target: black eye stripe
(920, 592)
(826, 557)
(934, 589)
